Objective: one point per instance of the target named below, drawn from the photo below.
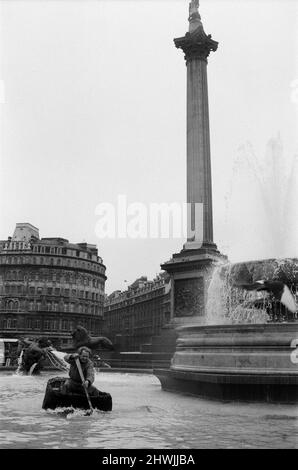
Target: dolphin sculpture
(280, 291)
(32, 353)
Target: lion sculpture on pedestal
(82, 338)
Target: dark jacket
(87, 369)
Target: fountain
(246, 349)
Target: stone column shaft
(197, 45)
(199, 186)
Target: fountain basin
(248, 362)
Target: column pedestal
(191, 272)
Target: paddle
(77, 360)
(32, 368)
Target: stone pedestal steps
(156, 354)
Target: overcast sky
(95, 106)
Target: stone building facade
(48, 286)
(134, 316)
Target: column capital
(196, 45)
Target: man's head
(44, 343)
(84, 354)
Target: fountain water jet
(261, 203)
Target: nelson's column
(191, 269)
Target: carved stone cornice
(196, 45)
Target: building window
(64, 325)
(46, 324)
(13, 324)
